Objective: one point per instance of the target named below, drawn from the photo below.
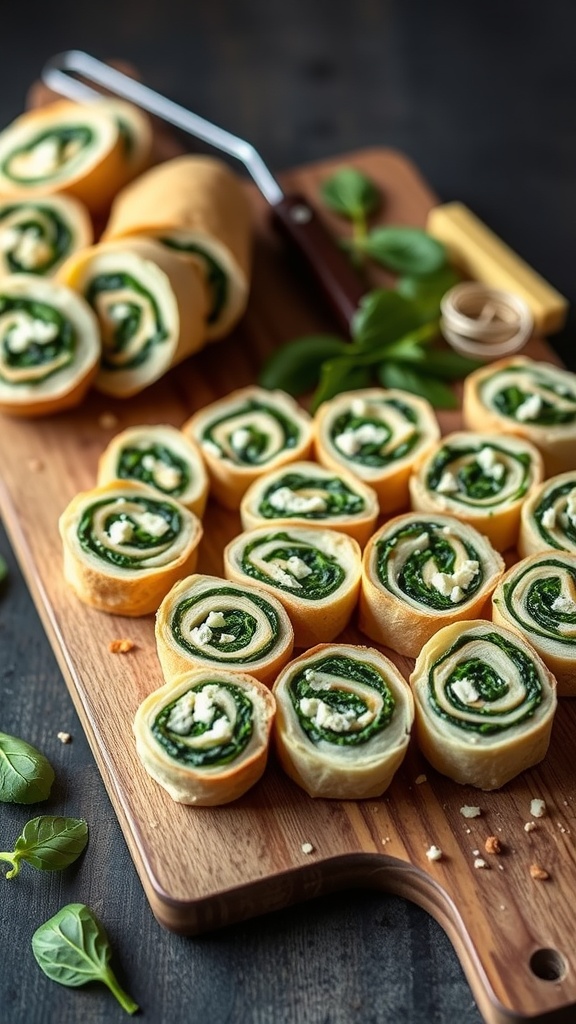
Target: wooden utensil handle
(340, 284)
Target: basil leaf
(26, 776)
(447, 365)
(335, 377)
(48, 843)
(405, 250)
(393, 375)
(72, 948)
(350, 193)
(382, 317)
(428, 291)
(295, 367)
(3, 569)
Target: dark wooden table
(482, 98)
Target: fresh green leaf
(428, 291)
(295, 367)
(26, 776)
(393, 375)
(445, 365)
(3, 569)
(383, 317)
(48, 843)
(405, 250)
(351, 194)
(72, 948)
(333, 379)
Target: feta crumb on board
(480, 863)
(537, 808)
(470, 812)
(307, 848)
(64, 737)
(434, 853)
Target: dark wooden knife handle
(340, 284)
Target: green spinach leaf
(295, 367)
(48, 843)
(394, 375)
(405, 250)
(26, 776)
(383, 317)
(350, 193)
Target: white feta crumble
(470, 812)
(31, 250)
(537, 808)
(350, 441)
(324, 717)
(25, 333)
(240, 438)
(489, 463)
(276, 572)
(307, 848)
(120, 531)
(152, 524)
(466, 691)
(165, 476)
(456, 594)
(226, 638)
(216, 620)
(286, 500)
(480, 863)
(529, 826)
(201, 635)
(434, 853)
(453, 584)
(564, 605)
(531, 408)
(181, 718)
(549, 519)
(43, 158)
(298, 568)
(448, 483)
(119, 310)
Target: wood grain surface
(202, 868)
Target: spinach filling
(219, 753)
(474, 483)
(549, 500)
(510, 397)
(340, 699)
(326, 572)
(216, 277)
(371, 453)
(131, 466)
(143, 541)
(70, 141)
(54, 232)
(253, 451)
(129, 325)
(411, 578)
(541, 617)
(34, 355)
(237, 623)
(340, 500)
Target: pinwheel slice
(343, 721)
(150, 307)
(420, 573)
(306, 494)
(314, 573)
(379, 436)
(537, 599)
(246, 434)
(207, 621)
(196, 206)
(161, 457)
(37, 236)
(548, 518)
(536, 401)
(49, 346)
(204, 736)
(485, 702)
(482, 479)
(87, 150)
(124, 546)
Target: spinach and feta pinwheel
(421, 572)
(548, 518)
(306, 494)
(537, 600)
(485, 702)
(125, 546)
(379, 436)
(343, 720)
(38, 235)
(314, 573)
(49, 346)
(205, 621)
(536, 401)
(197, 207)
(150, 307)
(204, 736)
(86, 150)
(161, 457)
(482, 479)
(246, 434)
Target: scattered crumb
(434, 853)
(107, 420)
(470, 812)
(120, 646)
(153, 824)
(475, 853)
(480, 863)
(468, 831)
(386, 840)
(35, 465)
(537, 808)
(64, 737)
(420, 779)
(502, 906)
(538, 873)
(500, 867)
(529, 826)
(307, 848)
(561, 827)
(493, 845)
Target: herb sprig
(48, 843)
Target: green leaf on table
(383, 317)
(405, 250)
(448, 365)
(296, 366)
(26, 776)
(48, 843)
(350, 193)
(394, 375)
(428, 290)
(72, 948)
(336, 376)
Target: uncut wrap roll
(246, 434)
(37, 236)
(88, 150)
(379, 436)
(343, 721)
(536, 401)
(49, 346)
(548, 518)
(421, 572)
(150, 306)
(204, 736)
(207, 621)
(196, 206)
(314, 573)
(482, 479)
(124, 546)
(161, 457)
(537, 599)
(485, 703)
(306, 494)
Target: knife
(68, 74)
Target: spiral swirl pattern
(225, 624)
(539, 394)
(209, 724)
(130, 319)
(132, 532)
(251, 434)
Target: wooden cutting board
(203, 868)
